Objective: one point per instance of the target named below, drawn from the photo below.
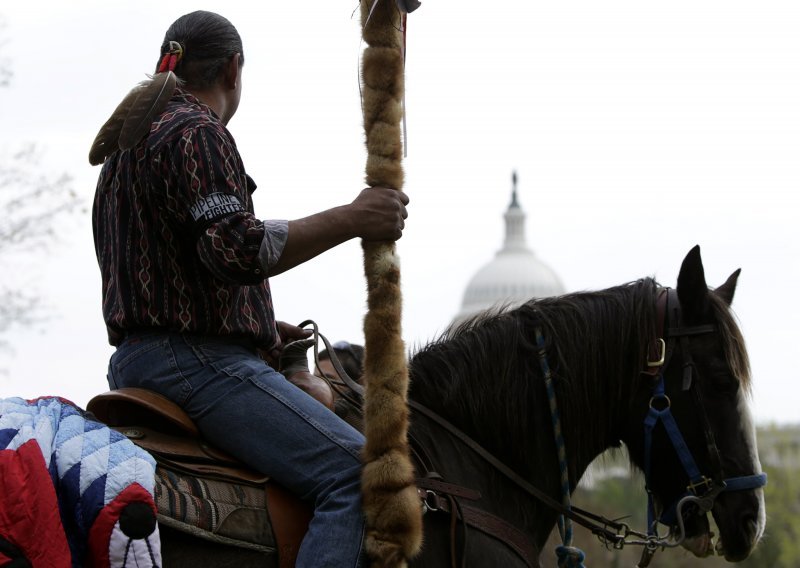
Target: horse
(508, 409)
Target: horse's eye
(724, 382)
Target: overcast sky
(637, 130)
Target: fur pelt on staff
(391, 505)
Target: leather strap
(290, 518)
(494, 526)
(504, 531)
(657, 348)
(433, 484)
(353, 386)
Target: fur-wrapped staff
(391, 505)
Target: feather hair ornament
(107, 140)
(149, 104)
(132, 118)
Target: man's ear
(231, 72)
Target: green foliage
(780, 546)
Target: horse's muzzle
(740, 519)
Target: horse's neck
(506, 407)
(592, 415)
(445, 455)
(592, 410)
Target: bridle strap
(691, 330)
(657, 352)
(337, 365)
(660, 405)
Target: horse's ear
(726, 290)
(692, 287)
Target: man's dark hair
(208, 42)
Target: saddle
(185, 461)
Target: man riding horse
(185, 269)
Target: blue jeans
(248, 409)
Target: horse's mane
(733, 342)
(484, 374)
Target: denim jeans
(248, 409)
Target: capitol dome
(515, 275)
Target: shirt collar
(186, 97)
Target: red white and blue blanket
(73, 492)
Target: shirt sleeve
(275, 234)
(213, 201)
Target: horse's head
(698, 446)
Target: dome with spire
(515, 275)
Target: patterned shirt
(177, 242)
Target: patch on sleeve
(215, 206)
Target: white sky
(638, 130)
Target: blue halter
(700, 487)
(701, 490)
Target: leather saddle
(164, 430)
(161, 427)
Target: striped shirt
(178, 244)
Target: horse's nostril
(748, 520)
(748, 523)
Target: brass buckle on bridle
(663, 347)
(705, 483)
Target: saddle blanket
(73, 492)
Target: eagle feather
(132, 118)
